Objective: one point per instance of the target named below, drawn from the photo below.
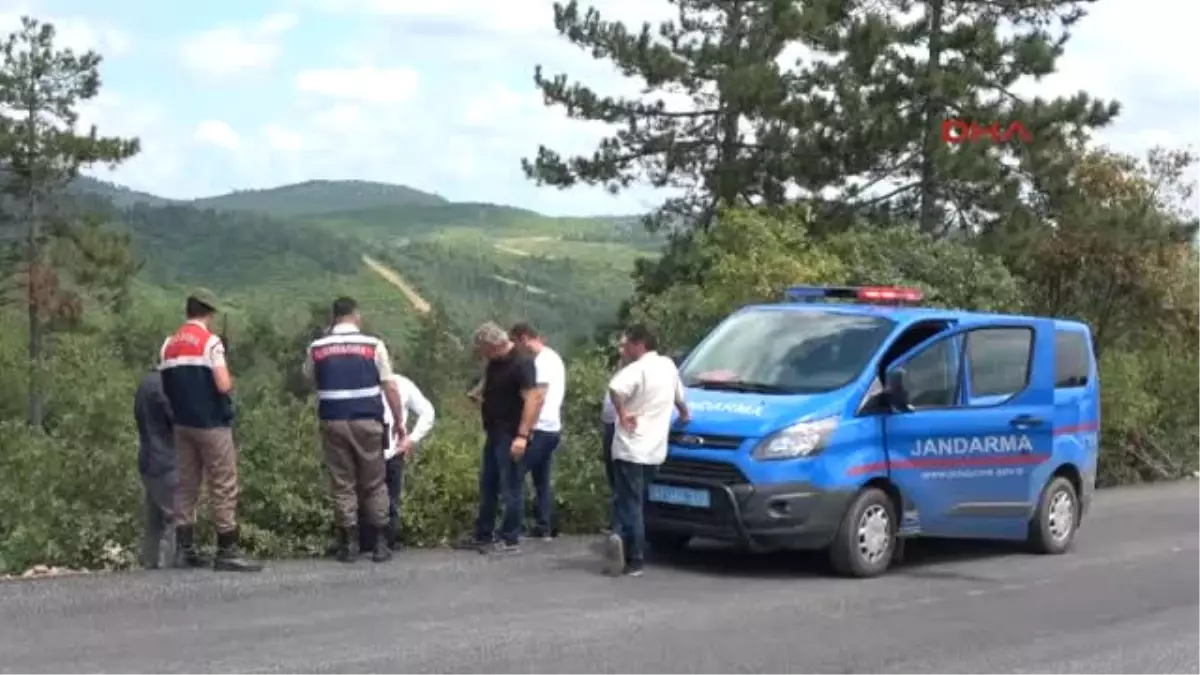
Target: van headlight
(802, 439)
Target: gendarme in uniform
(192, 361)
(349, 368)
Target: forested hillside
(775, 163)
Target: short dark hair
(344, 307)
(640, 334)
(522, 331)
(198, 310)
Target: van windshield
(786, 352)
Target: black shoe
(186, 553)
(501, 548)
(383, 552)
(634, 569)
(229, 557)
(470, 543)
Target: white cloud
(339, 118)
(284, 140)
(218, 133)
(366, 84)
(74, 32)
(461, 114)
(228, 50)
(515, 17)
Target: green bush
(73, 497)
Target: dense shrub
(73, 497)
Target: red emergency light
(890, 294)
(874, 294)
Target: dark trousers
(500, 477)
(394, 479)
(632, 481)
(158, 539)
(609, 430)
(539, 460)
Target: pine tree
(707, 121)
(41, 151)
(902, 68)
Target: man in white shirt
(645, 394)
(608, 419)
(539, 456)
(395, 454)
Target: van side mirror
(894, 390)
(679, 356)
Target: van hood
(730, 413)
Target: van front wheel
(866, 538)
(1053, 526)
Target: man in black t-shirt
(510, 400)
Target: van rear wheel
(866, 538)
(1053, 526)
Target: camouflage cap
(205, 297)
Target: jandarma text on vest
(344, 349)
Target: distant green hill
(319, 196)
(119, 195)
(275, 251)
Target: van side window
(999, 360)
(1071, 361)
(931, 377)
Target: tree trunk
(36, 356)
(930, 221)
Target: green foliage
(74, 496)
(41, 151)
(230, 251)
(1060, 231)
(747, 257)
(895, 70)
(472, 283)
(705, 76)
(950, 273)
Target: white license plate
(669, 494)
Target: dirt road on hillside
(398, 281)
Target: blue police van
(849, 426)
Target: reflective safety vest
(348, 386)
(186, 363)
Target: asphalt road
(1125, 600)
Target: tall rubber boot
(186, 553)
(366, 539)
(383, 552)
(347, 544)
(229, 557)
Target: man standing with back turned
(351, 369)
(643, 393)
(539, 456)
(197, 383)
(156, 464)
(510, 405)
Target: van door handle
(1025, 422)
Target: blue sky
(439, 95)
